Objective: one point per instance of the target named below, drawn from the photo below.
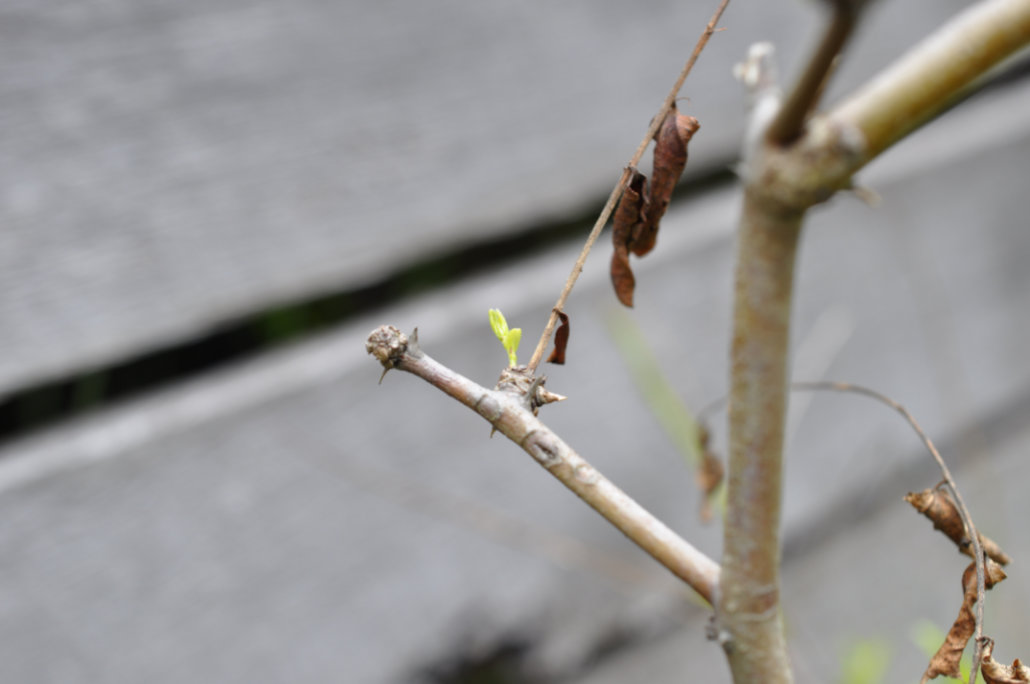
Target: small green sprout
(866, 661)
(509, 338)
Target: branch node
(388, 344)
(527, 387)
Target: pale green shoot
(509, 338)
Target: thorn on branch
(521, 382)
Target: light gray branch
(510, 409)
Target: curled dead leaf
(631, 211)
(709, 473)
(561, 340)
(937, 505)
(628, 218)
(996, 673)
(622, 276)
(946, 660)
(670, 158)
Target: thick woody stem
(927, 80)
(749, 606)
(511, 414)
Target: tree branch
(925, 81)
(749, 604)
(790, 120)
(620, 186)
(510, 409)
(785, 174)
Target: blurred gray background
(208, 205)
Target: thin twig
(790, 120)
(511, 414)
(617, 191)
(967, 519)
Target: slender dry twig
(620, 187)
(511, 413)
(790, 120)
(967, 519)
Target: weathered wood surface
(289, 520)
(170, 165)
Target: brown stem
(749, 605)
(620, 187)
(511, 415)
(790, 120)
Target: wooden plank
(172, 165)
(289, 520)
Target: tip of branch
(758, 70)
(388, 345)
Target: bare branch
(934, 73)
(511, 412)
(790, 120)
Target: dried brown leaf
(561, 340)
(709, 473)
(946, 660)
(937, 505)
(632, 210)
(629, 215)
(670, 158)
(622, 276)
(996, 673)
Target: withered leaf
(622, 276)
(946, 660)
(632, 210)
(670, 158)
(629, 216)
(996, 673)
(937, 505)
(561, 340)
(709, 473)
